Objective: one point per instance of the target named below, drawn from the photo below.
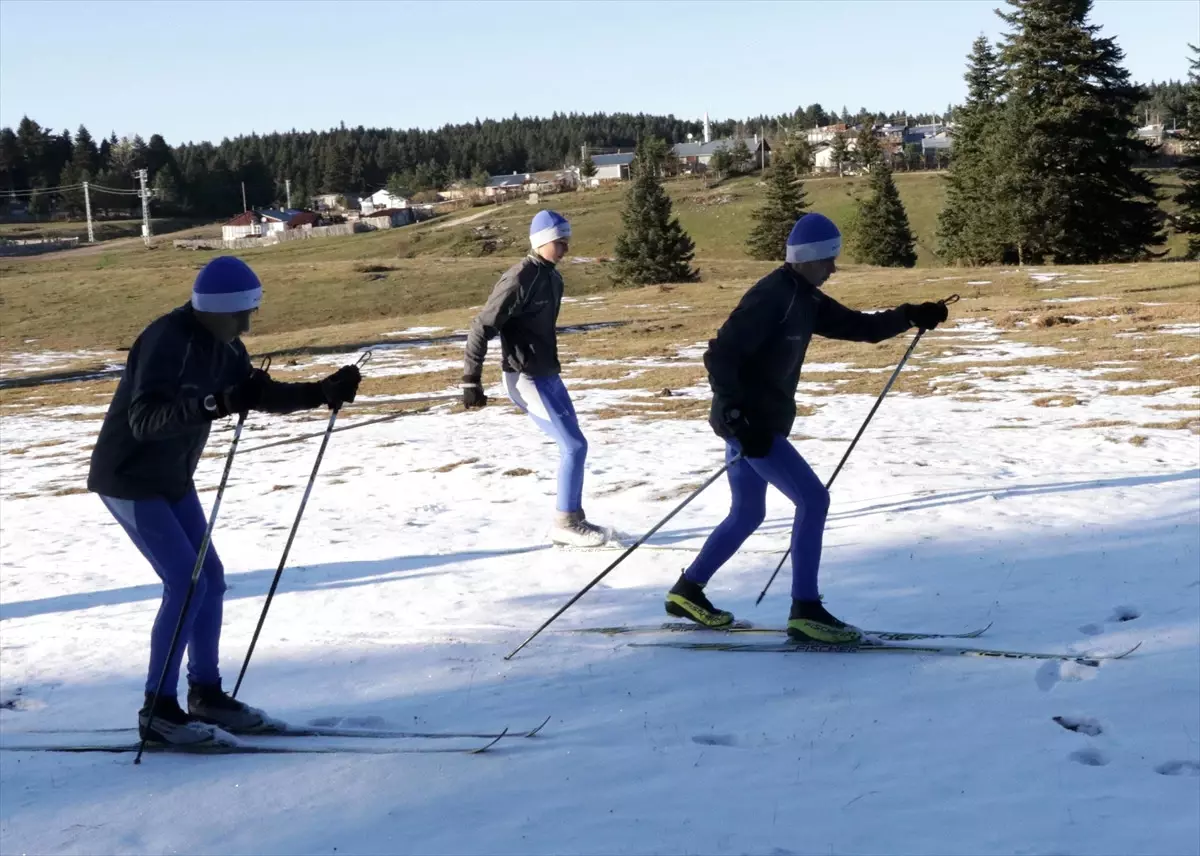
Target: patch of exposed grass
(1103, 423)
(1138, 440)
(518, 471)
(1056, 401)
(445, 468)
(1176, 425)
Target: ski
(327, 731)
(747, 627)
(241, 748)
(883, 648)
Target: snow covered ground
(422, 561)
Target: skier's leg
(546, 401)
(786, 470)
(155, 531)
(204, 643)
(561, 423)
(747, 509)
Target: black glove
(242, 397)
(473, 396)
(754, 438)
(925, 315)
(340, 387)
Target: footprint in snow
(1089, 757)
(1125, 613)
(1091, 629)
(1081, 725)
(1179, 768)
(715, 739)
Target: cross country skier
(753, 367)
(523, 310)
(186, 369)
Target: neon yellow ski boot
(687, 600)
(810, 621)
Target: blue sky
(203, 71)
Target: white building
(614, 167)
(381, 200)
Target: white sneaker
(573, 530)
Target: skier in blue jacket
(185, 370)
(754, 367)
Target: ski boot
(174, 727)
(686, 600)
(810, 621)
(209, 703)
(573, 530)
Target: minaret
(707, 130)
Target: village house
(611, 167)
(505, 185)
(340, 202)
(695, 157)
(259, 224)
(381, 200)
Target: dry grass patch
(518, 471)
(1176, 425)
(1103, 423)
(1056, 401)
(1154, 389)
(445, 468)
(1138, 440)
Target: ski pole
(291, 535)
(621, 558)
(187, 600)
(432, 399)
(951, 299)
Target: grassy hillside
(102, 296)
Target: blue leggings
(748, 478)
(547, 403)
(168, 534)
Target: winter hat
(813, 237)
(226, 284)
(548, 226)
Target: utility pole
(287, 182)
(87, 205)
(244, 196)
(145, 194)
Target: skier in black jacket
(186, 369)
(753, 367)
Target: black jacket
(523, 309)
(156, 426)
(754, 362)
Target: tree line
(1043, 167)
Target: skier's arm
(500, 306)
(159, 408)
(835, 321)
(743, 333)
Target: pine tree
(784, 205)
(652, 246)
(840, 152)
(1187, 221)
(966, 224)
(867, 150)
(1081, 149)
(881, 234)
(588, 168)
(85, 157)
